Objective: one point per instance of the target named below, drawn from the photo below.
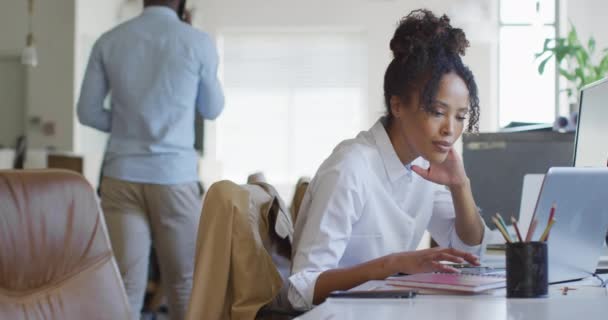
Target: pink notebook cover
(450, 281)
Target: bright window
(524, 95)
(291, 97)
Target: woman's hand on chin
(450, 172)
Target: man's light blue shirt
(158, 72)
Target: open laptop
(529, 195)
(576, 240)
(577, 237)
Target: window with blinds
(290, 98)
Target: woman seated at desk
(370, 202)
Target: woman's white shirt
(362, 204)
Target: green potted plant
(581, 67)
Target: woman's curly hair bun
(421, 29)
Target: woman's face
(432, 134)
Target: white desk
(587, 302)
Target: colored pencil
(514, 222)
(531, 230)
(502, 231)
(551, 215)
(552, 212)
(546, 232)
(502, 221)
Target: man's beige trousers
(141, 215)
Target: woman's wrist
(384, 267)
(461, 185)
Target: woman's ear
(396, 106)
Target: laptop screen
(591, 149)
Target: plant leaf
(564, 73)
(581, 77)
(603, 66)
(572, 36)
(541, 66)
(546, 49)
(561, 52)
(582, 58)
(546, 43)
(542, 53)
(581, 69)
(591, 45)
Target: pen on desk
(545, 235)
(514, 222)
(502, 231)
(531, 229)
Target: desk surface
(480, 308)
(586, 302)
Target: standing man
(159, 71)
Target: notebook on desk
(462, 282)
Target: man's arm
(210, 99)
(93, 93)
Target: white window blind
(290, 98)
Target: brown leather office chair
(55, 255)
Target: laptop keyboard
(481, 270)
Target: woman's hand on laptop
(429, 260)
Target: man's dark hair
(425, 48)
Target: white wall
(589, 18)
(49, 93)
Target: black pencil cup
(527, 269)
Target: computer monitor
(590, 145)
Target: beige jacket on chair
(244, 232)
(55, 257)
(298, 196)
